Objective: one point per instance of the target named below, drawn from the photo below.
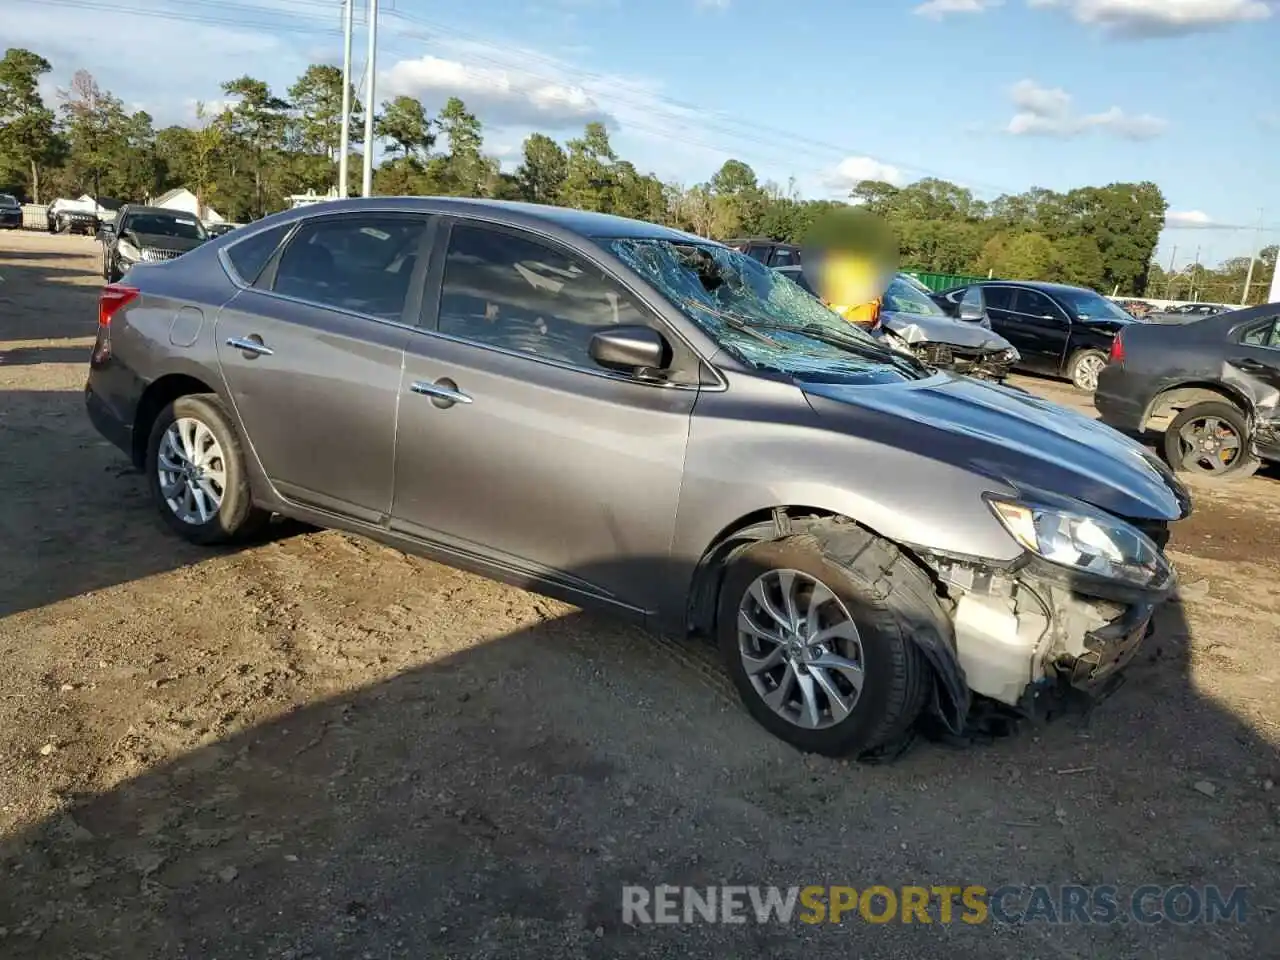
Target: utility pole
(344, 150)
(1173, 258)
(370, 98)
(1195, 274)
(1253, 251)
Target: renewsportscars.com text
(969, 904)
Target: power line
(714, 121)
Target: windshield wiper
(741, 324)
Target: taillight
(110, 300)
(1117, 350)
(113, 297)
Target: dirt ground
(319, 747)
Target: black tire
(887, 597)
(1079, 367)
(237, 519)
(1176, 446)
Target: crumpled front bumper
(1035, 638)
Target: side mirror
(106, 231)
(631, 349)
(971, 313)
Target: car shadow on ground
(100, 526)
(493, 803)
(30, 310)
(479, 807)
(26, 356)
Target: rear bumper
(107, 422)
(1118, 408)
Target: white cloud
(1187, 218)
(499, 97)
(851, 171)
(1049, 112)
(937, 9)
(1161, 18)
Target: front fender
(759, 445)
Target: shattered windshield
(903, 296)
(761, 316)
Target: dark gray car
(623, 415)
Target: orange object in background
(864, 315)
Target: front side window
(999, 298)
(516, 293)
(1035, 304)
(362, 264)
(760, 316)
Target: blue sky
(999, 95)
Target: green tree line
(247, 156)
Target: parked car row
(631, 417)
(1057, 330)
(910, 322)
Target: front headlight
(1092, 543)
(128, 251)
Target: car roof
(163, 211)
(584, 223)
(1042, 285)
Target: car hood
(1011, 436)
(917, 328)
(162, 241)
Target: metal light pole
(1253, 253)
(370, 98)
(344, 148)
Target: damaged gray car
(911, 323)
(1212, 386)
(632, 418)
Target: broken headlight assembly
(1082, 540)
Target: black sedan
(1057, 330)
(1214, 384)
(10, 212)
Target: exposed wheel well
(155, 398)
(768, 524)
(1167, 405)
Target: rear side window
(358, 263)
(251, 254)
(1266, 334)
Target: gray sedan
(627, 416)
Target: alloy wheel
(800, 648)
(1209, 445)
(192, 471)
(1087, 370)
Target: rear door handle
(250, 345)
(443, 393)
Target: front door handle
(252, 345)
(444, 393)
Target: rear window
(7, 200)
(251, 254)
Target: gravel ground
(319, 747)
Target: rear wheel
(1210, 440)
(820, 653)
(1084, 369)
(196, 473)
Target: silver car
(627, 416)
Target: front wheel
(1211, 440)
(1084, 369)
(196, 472)
(820, 656)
